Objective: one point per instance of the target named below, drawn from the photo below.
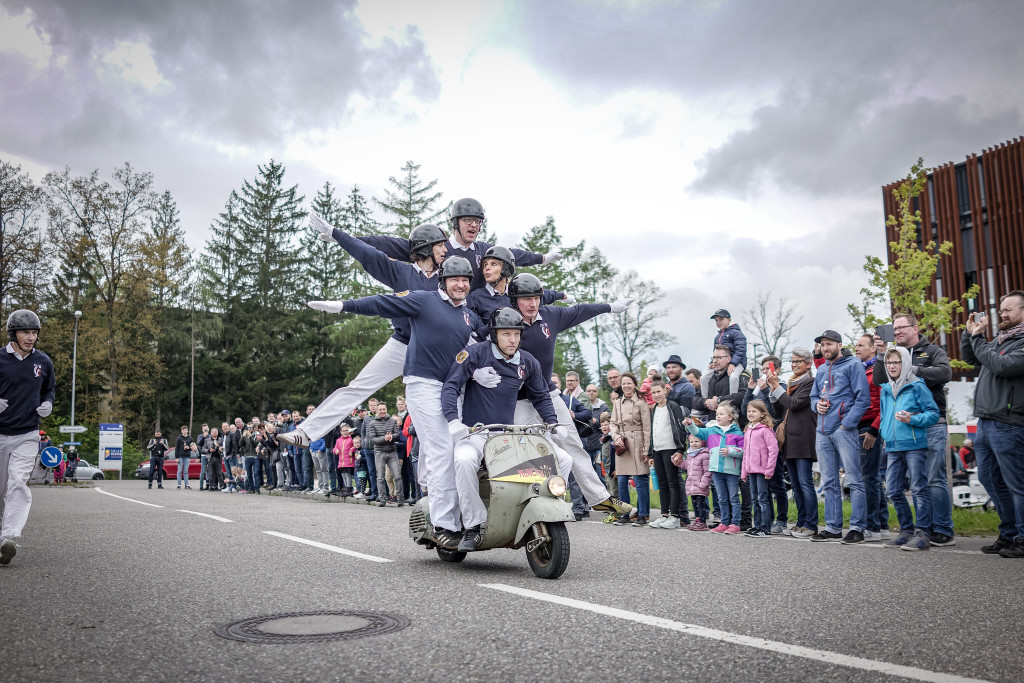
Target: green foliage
(411, 202)
(904, 284)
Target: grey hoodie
(905, 369)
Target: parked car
(195, 466)
(88, 471)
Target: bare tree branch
(771, 325)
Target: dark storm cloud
(854, 92)
(240, 72)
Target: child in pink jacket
(698, 481)
(760, 451)
(345, 451)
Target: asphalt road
(109, 589)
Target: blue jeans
(204, 463)
(183, 470)
(595, 458)
(579, 505)
(915, 465)
(252, 468)
(760, 495)
(727, 493)
(942, 502)
(371, 472)
(801, 476)
(872, 481)
(643, 492)
(306, 459)
(841, 447)
(999, 448)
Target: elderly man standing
(931, 364)
(999, 405)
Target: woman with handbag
(631, 434)
(796, 439)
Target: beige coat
(631, 418)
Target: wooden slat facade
(992, 189)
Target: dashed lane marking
(324, 546)
(738, 639)
(130, 500)
(203, 514)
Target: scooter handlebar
(515, 429)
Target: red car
(195, 466)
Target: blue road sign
(51, 456)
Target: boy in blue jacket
(729, 335)
(908, 409)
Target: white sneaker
(656, 524)
(872, 536)
(296, 437)
(359, 496)
(671, 523)
(884, 534)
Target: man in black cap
(682, 391)
(730, 336)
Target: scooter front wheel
(450, 555)
(550, 560)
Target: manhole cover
(311, 627)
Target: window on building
(962, 196)
(970, 279)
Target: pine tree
(410, 203)
(356, 219)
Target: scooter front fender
(543, 509)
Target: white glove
(3, 404)
(322, 227)
(560, 431)
(487, 377)
(457, 430)
(44, 409)
(569, 299)
(326, 306)
(551, 257)
(621, 305)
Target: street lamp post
(755, 345)
(74, 367)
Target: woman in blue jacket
(908, 409)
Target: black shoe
(160, 486)
(941, 539)
(150, 486)
(470, 540)
(1001, 543)
(446, 538)
(746, 526)
(382, 503)
(578, 517)
(1014, 551)
(852, 538)
(586, 513)
(827, 535)
(622, 520)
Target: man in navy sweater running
(441, 325)
(543, 323)
(27, 385)
(491, 403)
(498, 268)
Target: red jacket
(873, 415)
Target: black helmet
(465, 208)
(524, 285)
(422, 238)
(508, 260)
(506, 318)
(455, 266)
(22, 319)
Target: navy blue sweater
(485, 302)
(24, 384)
(539, 337)
(439, 329)
(398, 275)
(496, 405)
(398, 248)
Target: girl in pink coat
(345, 451)
(698, 481)
(760, 451)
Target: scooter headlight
(556, 486)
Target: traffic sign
(72, 429)
(51, 456)
(71, 443)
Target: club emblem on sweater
(546, 330)
(465, 316)
(37, 370)
(522, 372)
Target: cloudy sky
(720, 148)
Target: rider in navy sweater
(498, 267)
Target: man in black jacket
(668, 449)
(184, 447)
(157, 449)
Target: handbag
(619, 450)
(780, 431)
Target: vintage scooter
(525, 499)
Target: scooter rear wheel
(551, 559)
(450, 555)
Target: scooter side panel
(543, 509)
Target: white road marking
(324, 546)
(737, 639)
(203, 514)
(130, 500)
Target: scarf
(1015, 331)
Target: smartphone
(771, 366)
(755, 374)
(886, 333)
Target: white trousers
(437, 462)
(17, 457)
(469, 453)
(582, 466)
(386, 365)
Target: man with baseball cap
(840, 396)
